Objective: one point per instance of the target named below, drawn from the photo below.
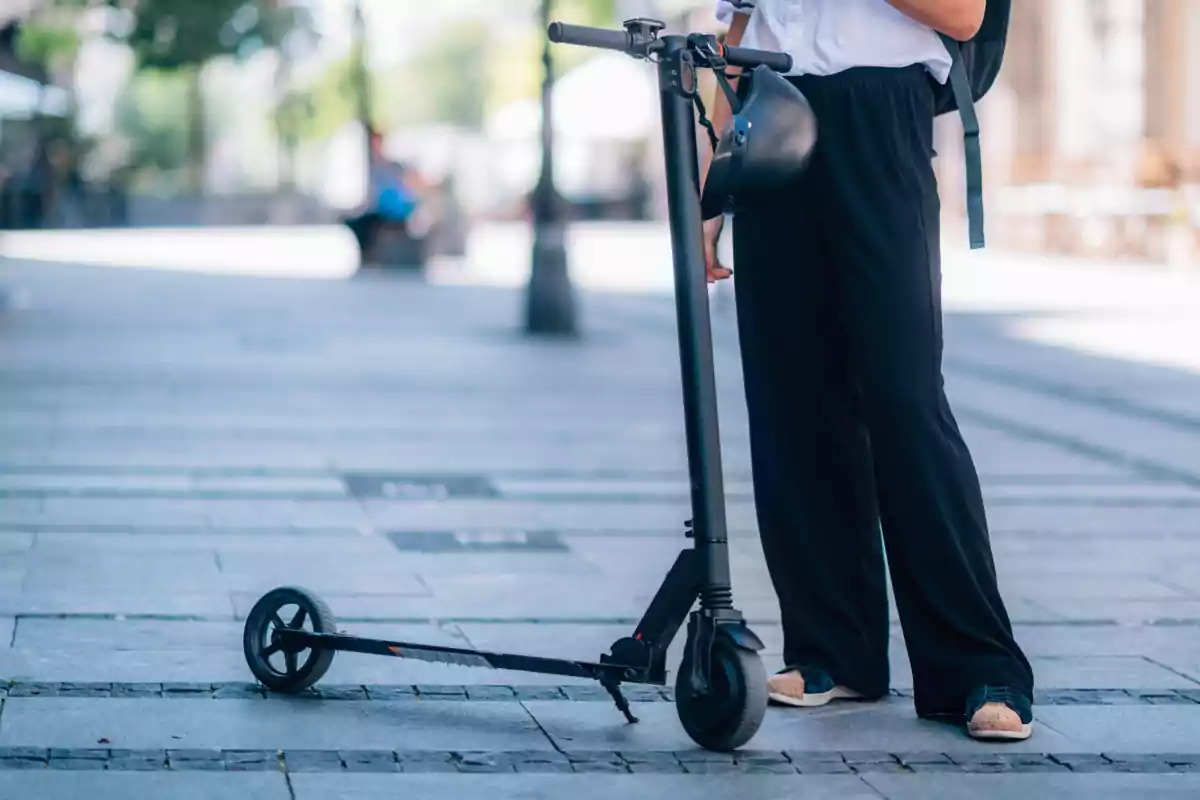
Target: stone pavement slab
(1128, 729)
(282, 723)
(54, 785)
(1024, 787)
(1106, 672)
(14, 542)
(582, 787)
(891, 726)
(131, 599)
(177, 443)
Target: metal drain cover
(477, 541)
(367, 485)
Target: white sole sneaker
(814, 700)
(1002, 736)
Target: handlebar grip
(750, 58)
(606, 38)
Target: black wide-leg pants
(839, 315)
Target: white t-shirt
(824, 37)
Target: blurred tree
(152, 114)
(456, 77)
(182, 36)
(515, 71)
(445, 82)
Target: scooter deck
(604, 672)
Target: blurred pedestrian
(855, 449)
(393, 195)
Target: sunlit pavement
(182, 410)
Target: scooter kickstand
(614, 689)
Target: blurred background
(254, 112)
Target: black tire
(276, 669)
(732, 713)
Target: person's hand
(713, 268)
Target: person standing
(854, 447)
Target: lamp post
(362, 81)
(549, 296)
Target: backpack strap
(960, 85)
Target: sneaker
(811, 689)
(999, 713)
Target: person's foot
(999, 713)
(811, 689)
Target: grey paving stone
(28, 753)
(884, 727)
(956, 769)
(543, 768)
(441, 691)
(251, 760)
(911, 759)
(211, 760)
(486, 768)
(93, 764)
(1125, 612)
(598, 766)
(491, 693)
(425, 756)
(137, 760)
(582, 787)
(129, 634)
(1015, 787)
(369, 760)
(15, 542)
(254, 724)
(390, 692)
(857, 757)
(752, 768)
(137, 690)
(879, 767)
(709, 768)
(34, 689)
(342, 692)
(238, 691)
(85, 690)
(1086, 697)
(79, 598)
(1124, 729)
(54, 785)
(177, 691)
(140, 666)
(1106, 672)
(538, 693)
(695, 756)
(656, 768)
(605, 756)
(93, 753)
(586, 693)
(751, 756)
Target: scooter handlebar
(586, 36)
(749, 58)
(610, 39)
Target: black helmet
(768, 145)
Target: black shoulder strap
(960, 84)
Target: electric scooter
(290, 635)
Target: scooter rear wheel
(733, 710)
(277, 668)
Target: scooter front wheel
(732, 711)
(281, 668)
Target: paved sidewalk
(174, 444)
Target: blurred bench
(395, 247)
